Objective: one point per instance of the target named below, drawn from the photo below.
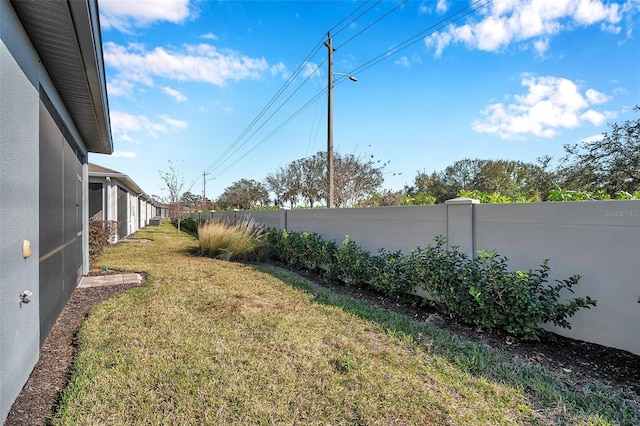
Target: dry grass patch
(213, 342)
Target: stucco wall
(22, 76)
(19, 182)
(391, 228)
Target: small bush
(351, 264)
(187, 224)
(302, 250)
(100, 233)
(241, 240)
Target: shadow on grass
(540, 384)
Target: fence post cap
(462, 200)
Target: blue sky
(505, 79)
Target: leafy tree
(463, 174)
(292, 178)
(306, 179)
(312, 173)
(276, 183)
(244, 194)
(515, 179)
(356, 178)
(384, 198)
(611, 164)
(191, 200)
(512, 179)
(432, 185)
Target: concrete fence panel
(598, 240)
(392, 228)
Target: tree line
(609, 168)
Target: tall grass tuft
(243, 239)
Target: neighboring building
(114, 196)
(53, 112)
(162, 210)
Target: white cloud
(215, 105)
(200, 63)
(172, 122)
(511, 21)
(594, 117)
(403, 61)
(176, 94)
(442, 6)
(119, 87)
(125, 15)
(596, 97)
(311, 69)
(591, 139)
(210, 36)
(124, 154)
(550, 104)
(280, 69)
(124, 126)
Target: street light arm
(351, 77)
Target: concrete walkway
(109, 279)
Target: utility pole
(330, 198)
(204, 190)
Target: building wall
(19, 186)
(22, 82)
(116, 201)
(598, 240)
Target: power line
(450, 19)
(285, 86)
(372, 24)
(237, 148)
(418, 37)
(234, 147)
(349, 15)
(280, 127)
(313, 134)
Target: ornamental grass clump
(243, 239)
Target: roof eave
(86, 18)
(66, 35)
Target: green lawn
(211, 342)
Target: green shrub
(100, 232)
(187, 224)
(302, 250)
(480, 291)
(484, 293)
(561, 194)
(351, 264)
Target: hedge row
(480, 291)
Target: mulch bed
(40, 395)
